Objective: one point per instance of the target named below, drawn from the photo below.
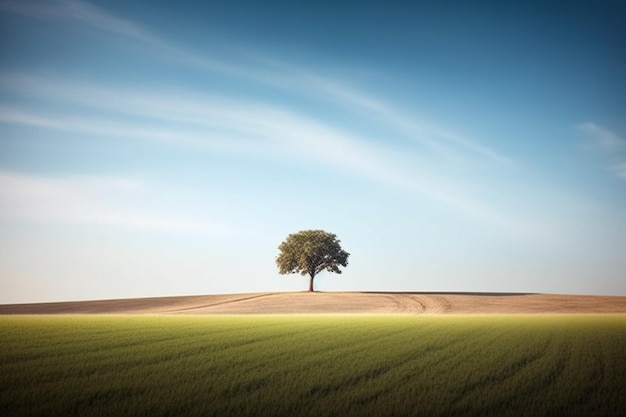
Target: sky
(153, 148)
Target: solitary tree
(310, 252)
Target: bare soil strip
(337, 303)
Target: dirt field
(337, 303)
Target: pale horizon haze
(152, 148)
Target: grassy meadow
(568, 365)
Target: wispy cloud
(435, 137)
(268, 71)
(78, 11)
(610, 143)
(603, 137)
(244, 125)
(219, 123)
(96, 18)
(88, 200)
(620, 170)
(198, 138)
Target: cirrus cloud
(89, 200)
(610, 143)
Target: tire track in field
(220, 303)
(419, 304)
(427, 304)
(402, 306)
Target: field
(337, 303)
(313, 365)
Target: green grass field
(313, 365)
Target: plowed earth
(337, 303)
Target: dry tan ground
(337, 303)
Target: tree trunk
(311, 284)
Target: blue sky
(152, 149)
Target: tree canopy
(309, 252)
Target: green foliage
(313, 366)
(310, 252)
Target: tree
(310, 252)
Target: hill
(336, 303)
